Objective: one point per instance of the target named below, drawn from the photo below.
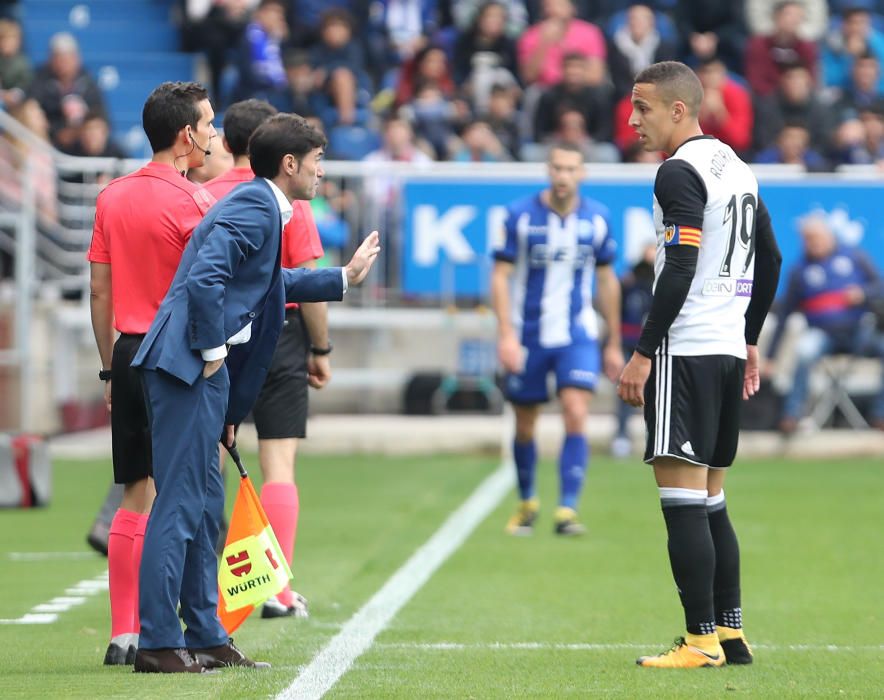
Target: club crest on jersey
(674, 234)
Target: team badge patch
(681, 235)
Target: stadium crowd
(795, 81)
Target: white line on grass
(554, 646)
(44, 556)
(358, 633)
(48, 612)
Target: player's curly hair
(675, 82)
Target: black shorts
(692, 408)
(130, 430)
(281, 408)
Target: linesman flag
(252, 568)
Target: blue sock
(572, 468)
(525, 456)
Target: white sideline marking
(511, 646)
(43, 556)
(358, 633)
(48, 612)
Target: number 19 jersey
(706, 197)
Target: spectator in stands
(93, 139)
(305, 17)
(571, 130)
(501, 118)
(833, 287)
(711, 28)
(465, 15)
(428, 67)
(404, 26)
(575, 92)
(214, 27)
(862, 92)
(339, 62)
(814, 25)
(854, 37)
(858, 139)
(484, 55)
(301, 97)
(795, 100)
(726, 112)
(20, 156)
(433, 117)
(542, 48)
(769, 55)
(634, 46)
(399, 146)
(480, 145)
(15, 68)
(792, 147)
(66, 91)
(261, 72)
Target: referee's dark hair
(240, 121)
(279, 136)
(168, 109)
(675, 82)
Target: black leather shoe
(225, 656)
(117, 655)
(167, 661)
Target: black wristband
(321, 351)
(104, 375)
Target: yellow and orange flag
(252, 568)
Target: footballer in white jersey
(716, 273)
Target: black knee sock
(692, 556)
(726, 587)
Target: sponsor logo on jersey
(726, 287)
(542, 254)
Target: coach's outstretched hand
(363, 259)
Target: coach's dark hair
(675, 81)
(168, 109)
(240, 121)
(279, 136)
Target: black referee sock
(691, 554)
(726, 586)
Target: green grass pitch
(537, 617)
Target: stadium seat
(352, 142)
(103, 37)
(837, 370)
(82, 13)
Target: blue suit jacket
(230, 276)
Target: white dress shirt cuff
(344, 275)
(210, 354)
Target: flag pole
(231, 449)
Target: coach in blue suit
(229, 293)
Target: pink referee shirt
(300, 237)
(142, 223)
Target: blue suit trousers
(179, 561)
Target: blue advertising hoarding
(449, 224)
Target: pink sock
(137, 548)
(123, 585)
(280, 502)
